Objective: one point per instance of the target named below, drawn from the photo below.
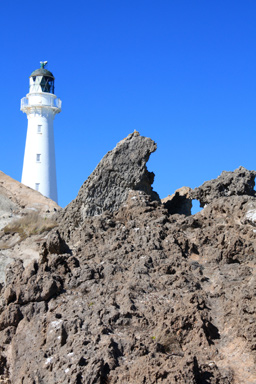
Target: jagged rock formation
(180, 202)
(239, 182)
(121, 170)
(136, 295)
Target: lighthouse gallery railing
(55, 103)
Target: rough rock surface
(239, 182)
(17, 202)
(16, 197)
(180, 202)
(136, 295)
(121, 170)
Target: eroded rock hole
(195, 207)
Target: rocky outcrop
(121, 170)
(144, 296)
(135, 295)
(180, 202)
(240, 182)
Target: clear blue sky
(179, 71)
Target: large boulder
(121, 170)
(237, 183)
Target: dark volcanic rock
(239, 182)
(121, 170)
(180, 202)
(54, 244)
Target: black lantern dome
(41, 80)
(42, 72)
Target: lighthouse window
(38, 157)
(39, 129)
(47, 84)
(37, 186)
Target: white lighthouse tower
(41, 106)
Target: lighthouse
(41, 105)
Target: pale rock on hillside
(18, 202)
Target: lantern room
(41, 80)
